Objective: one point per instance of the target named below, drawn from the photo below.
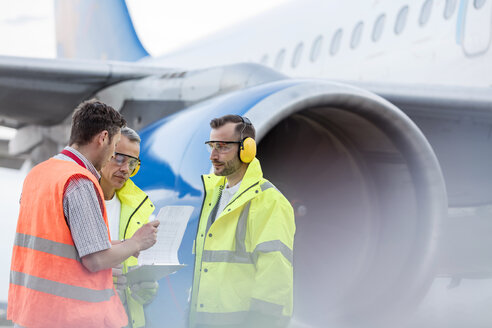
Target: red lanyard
(74, 157)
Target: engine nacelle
(365, 185)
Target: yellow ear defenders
(247, 147)
(135, 170)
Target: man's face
(110, 148)
(225, 163)
(106, 149)
(116, 173)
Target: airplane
(372, 117)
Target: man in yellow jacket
(243, 275)
(128, 209)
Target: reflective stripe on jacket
(244, 259)
(136, 208)
(49, 286)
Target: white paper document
(162, 259)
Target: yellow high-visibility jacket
(136, 208)
(244, 259)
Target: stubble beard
(230, 167)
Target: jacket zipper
(128, 222)
(196, 237)
(201, 209)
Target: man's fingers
(119, 279)
(135, 288)
(149, 285)
(155, 223)
(144, 285)
(144, 292)
(122, 280)
(117, 272)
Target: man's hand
(146, 236)
(143, 238)
(144, 292)
(119, 281)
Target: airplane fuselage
(444, 42)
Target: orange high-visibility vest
(49, 286)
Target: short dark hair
(248, 130)
(90, 118)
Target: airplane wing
(45, 91)
(38, 95)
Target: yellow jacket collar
(130, 194)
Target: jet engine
(365, 184)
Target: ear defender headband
(135, 171)
(247, 146)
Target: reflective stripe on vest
(240, 255)
(50, 286)
(60, 289)
(267, 185)
(47, 246)
(232, 318)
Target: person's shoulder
(270, 191)
(79, 183)
(271, 200)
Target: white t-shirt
(227, 196)
(113, 207)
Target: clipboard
(151, 272)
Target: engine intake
(365, 184)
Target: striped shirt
(83, 208)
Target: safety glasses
(122, 159)
(221, 146)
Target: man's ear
(102, 137)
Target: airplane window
(356, 35)
(264, 60)
(425, 12)
(315, 50)
(401, 20)
(378, 27)
(478, 3)
(296, 57)
(279, 61)
(449, 8)
(335, 42)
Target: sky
(27, 29)
(27, 26)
